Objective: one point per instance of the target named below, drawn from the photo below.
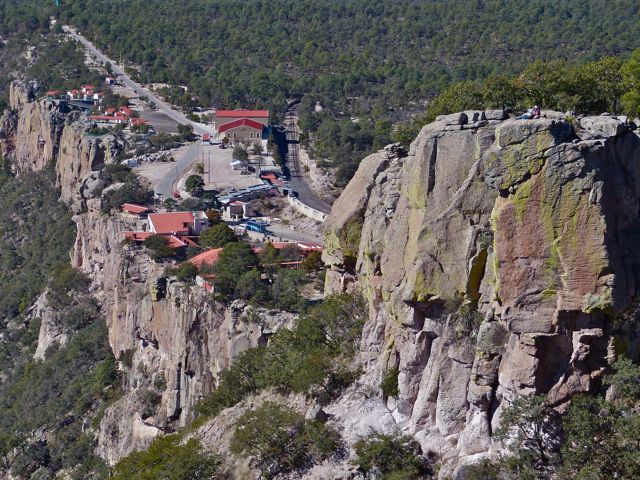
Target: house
(105, 119)
(75, 94)
(210, 258)
(237, 210)
(241, 125)
(136, 121)
(109, 80)
(178, 223)
(138, 211)
(139, 237)
(54, 94)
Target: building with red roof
(210, 258)
(139, 237)
(178, 223)
(241, 125)
(133, 209)
(136, 121)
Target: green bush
(389, 383)
(194, 185)
(235, 259)
(388, 457)
(159, 247)
(217, 236)
(185, 272)
(169, 458)
(315, 357)
(281, 439)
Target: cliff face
(35, 134)
(171, 345)
(498, 260)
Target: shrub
(252, 288)
(159, 246)
(66, 278)
(217, 236)
(281, 439)
(389, 383)
(312, 262)
(392, 457)
(185, 272)
(235, 259)
(316, 357)
(169, 458)
(194, 185)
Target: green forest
(378, 62)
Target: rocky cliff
(170, 345)
(498, 260)
(36, 134)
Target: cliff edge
(498, 260)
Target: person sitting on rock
(535, 112)
(527, 115)
(532, 113)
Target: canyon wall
(498, 259)
(173, 343)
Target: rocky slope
(172, 343)
(498, 259)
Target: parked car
(222, 145)
(176, 195)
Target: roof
(242, 113)
(133, 208)
(241, 122)
(210, 257)
(174, 242)
(54, 92)
(138, 121)
(175, 222)
(310, 246)
(106, 118)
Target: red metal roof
(174, 242)
(138, 121)
(104, 118)
(242, 113)
(133, 208)
(241, 122)
(176, 222)
(210, 257)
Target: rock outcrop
(498, 260)
(50, 137)
(171, 345)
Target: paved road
(160, 104)
(297, 180)
(165, 185)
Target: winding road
(164, 186)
